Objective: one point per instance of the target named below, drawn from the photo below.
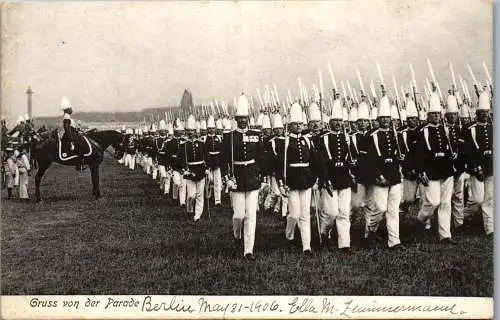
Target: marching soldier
(213, 146)
(173, 146)
(266, 170)
(273, 201)
(408, 143)
(336, 180)
(384, 177)
(242, 158)
(456, 140)
(435, 167)
(478, 145)
(161, 156)
(314, 133)
(358, 151)
(192, 157)
(296, 178)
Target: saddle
(80, 147)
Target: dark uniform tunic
(302, 157)
(382, 157)
(335, 165)
(213, 149)
(160, 147)
(191, 155)
(478, 148)
(172, 151)
(359, 145)
(433, 154)
(243, 150)
(408, 144)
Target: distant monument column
(29, 92)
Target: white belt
(299, 165)
(195, 163)
(174, 156)
(244, 163)
(214, 152)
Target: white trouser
(299, 206)
(245, 217)
(23, 185)
(336, 208)
(457, 201)
(166, 188)
(125, 159)
(409, 190)
(438, 195)
(195, 191)
(273, 198)
(130, 161)
(179, 187)
(384, 200)
(482, 193)
(163, 174)
(216, 174)
(358, 198)
(154, 172)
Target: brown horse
(48, 151)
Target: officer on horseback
(70, 136)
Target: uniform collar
(242, 130)
(293, 135)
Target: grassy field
(132, 242)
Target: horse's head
(107, 138)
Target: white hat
(139, 132)
(203, 124)
(374, 113)
(197, 126)
(484, 101)
(73, 123)
(402, 114)
(218, 124)
(227, 124)
(163, 125)
(451, 104)
(314, 112)
(266, 122)
(345, 114)
(353, 115)
(178, 126)
(277, 121)
(260, 118)
(411, 109)
(65, 103)
(128, 131)
(363, 111)
(145, 129)
(295, 113)
(211, 122)
(326, 118)
(153, 128)
(304, 117)
(422, 115)
(337, 112)
(394, 112)
(191, 123)
(251, 122)
(384, 109)
(170, 128)
(65, 117)
(123, 127)
(242, 107)
(234, 124)
(434, 103)
(464, 111)
(26, 117)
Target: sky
(124, 56)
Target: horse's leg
(94, 172)
(42, 167)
